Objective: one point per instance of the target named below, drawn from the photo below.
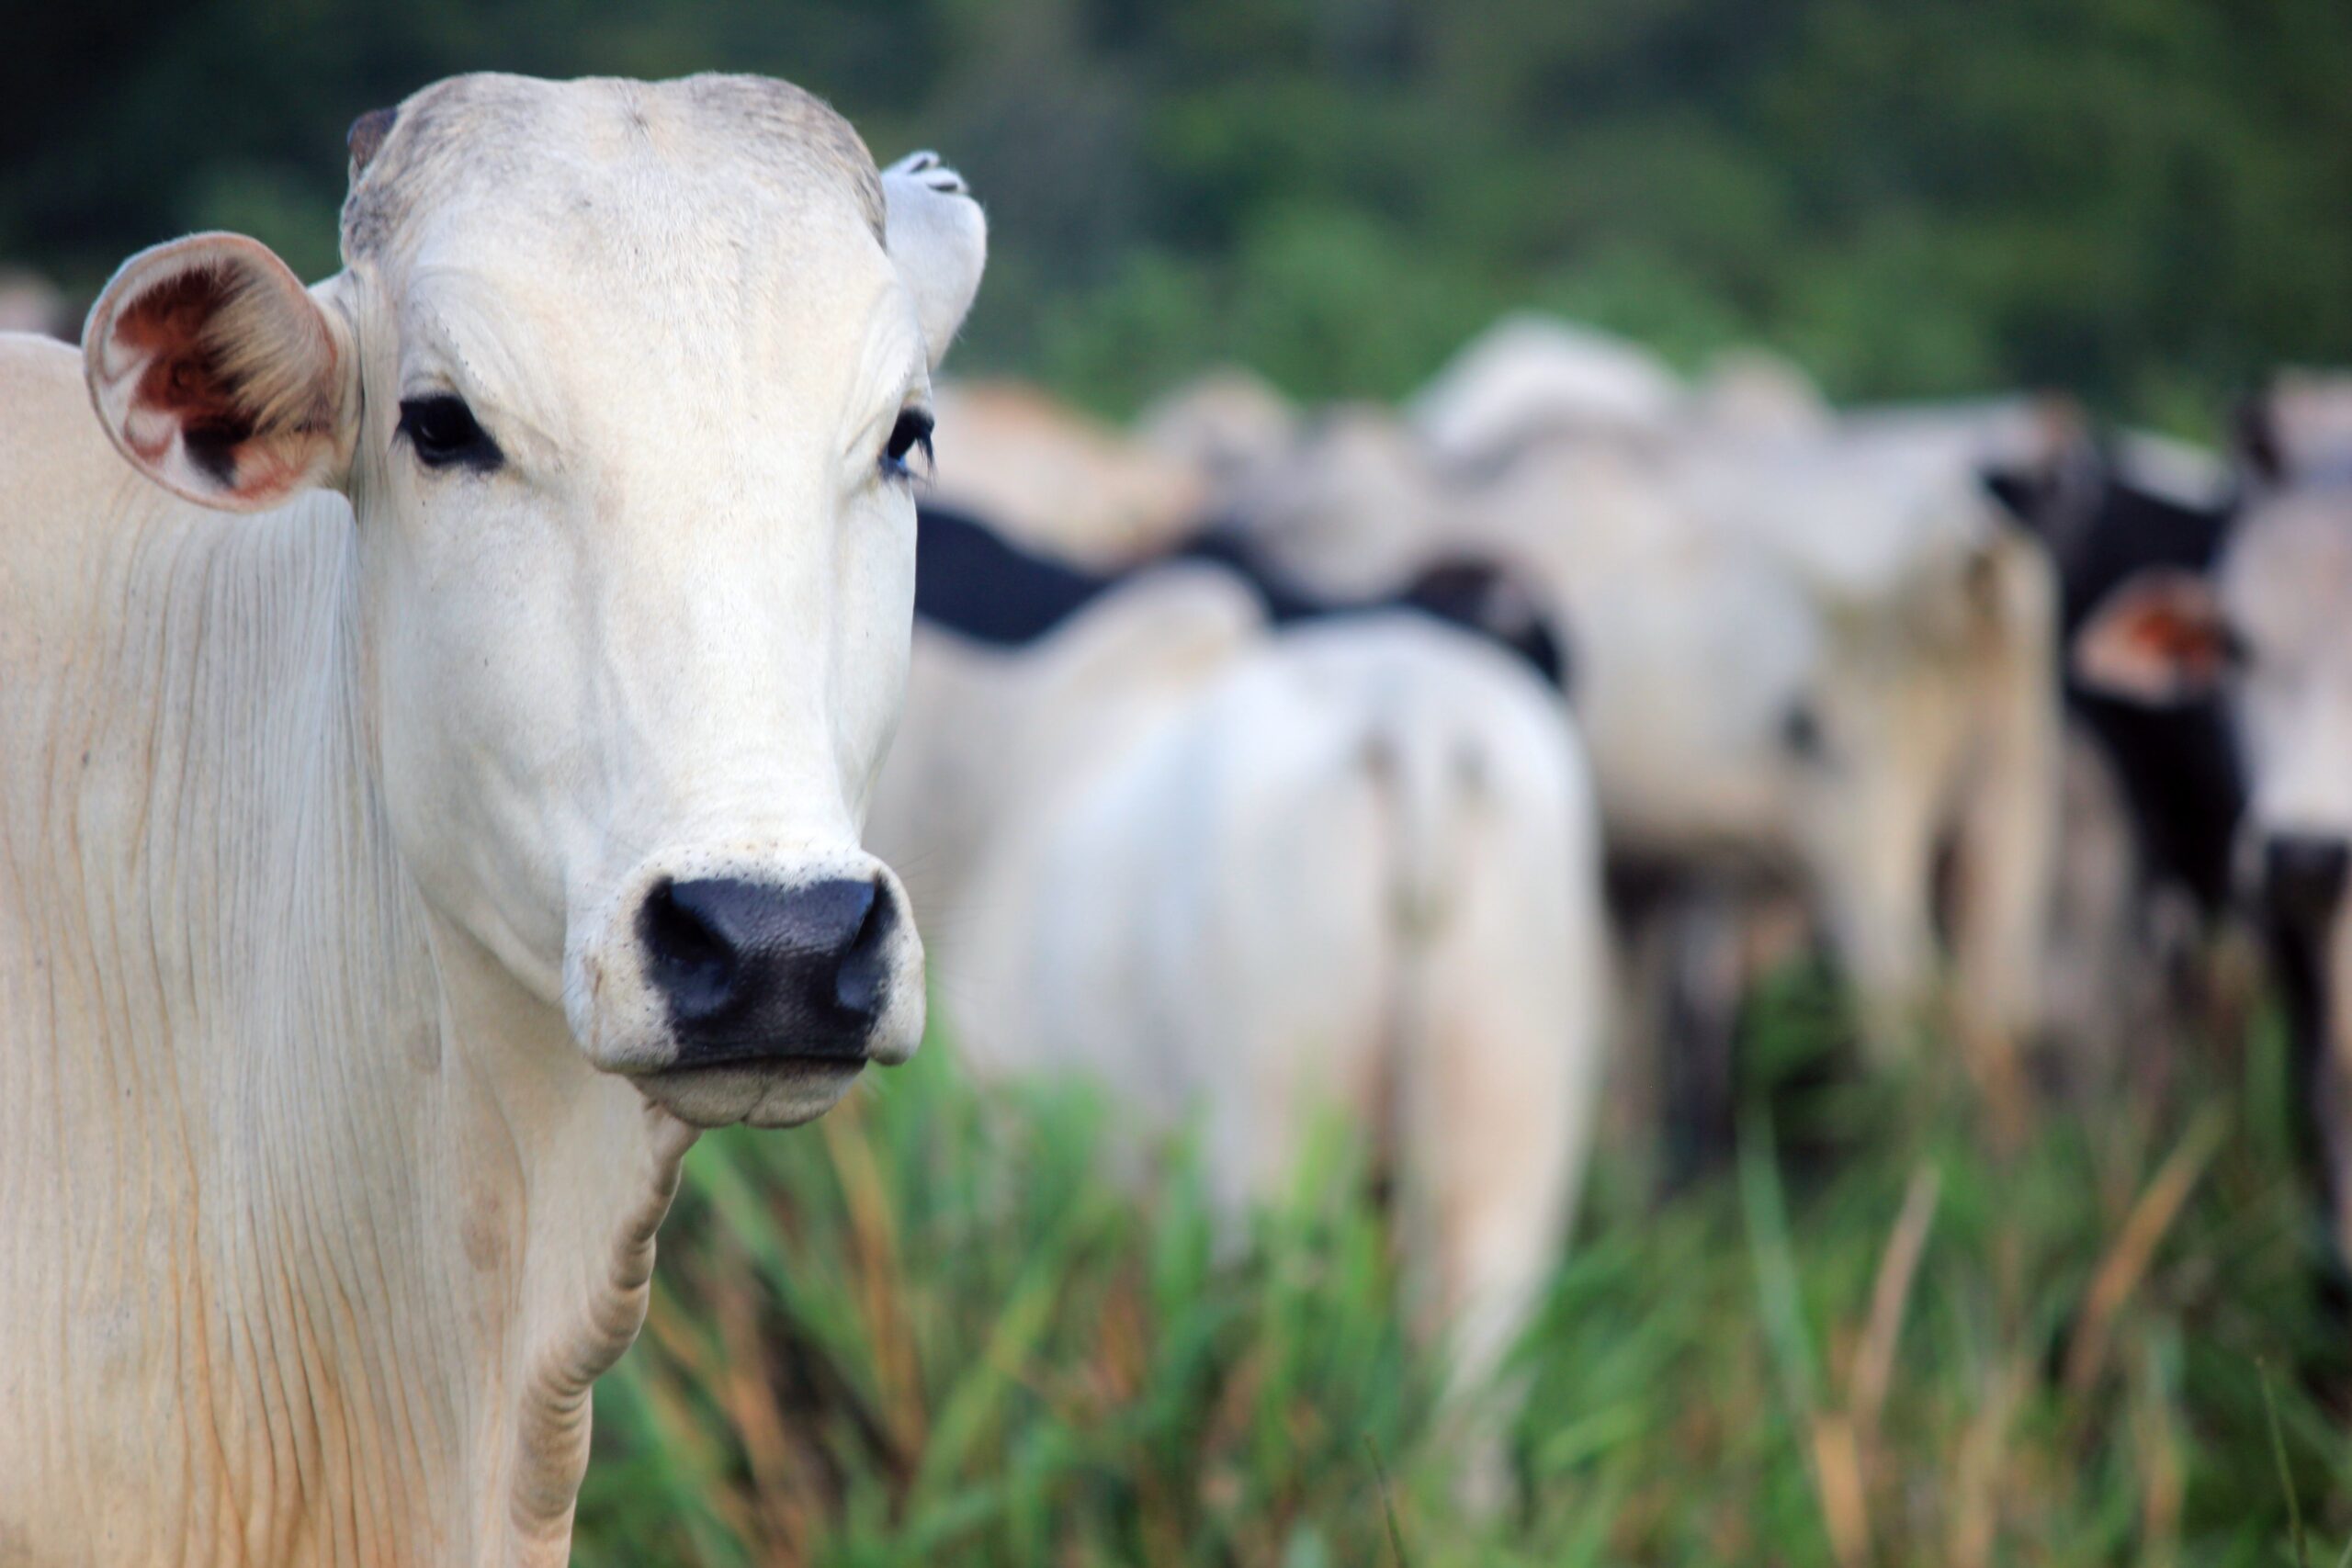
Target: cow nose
(757, 973)
(2303, 876)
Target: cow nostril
(858, 983)
(692, 962)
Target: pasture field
(945, 1326)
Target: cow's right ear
(2159, 640)
(938, 238)
(218, 374)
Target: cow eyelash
(443, 434)
(911, 433)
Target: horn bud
(366, 135)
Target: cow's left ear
(2159, 640)
(219, 375)
(939, 241)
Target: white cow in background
(1808, 646)
(1059, 481)
(1227, 425)
(1352, 867)
(30, 303)
(1532, 379)
(1937, 706)
(394, 877)
(1753, 394)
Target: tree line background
(2147, 202)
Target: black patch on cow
(971, 581)
(1471, 594)
(2182, 780)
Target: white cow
(1531, 378)
(437, 712)
(1937, 704)
(1813, 650)
(1225, 425)
(1352, 867)
(30, 303)
(1059, 481)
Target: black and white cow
(2260, 633)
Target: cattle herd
(445, 759)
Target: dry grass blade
(1842, 1443)
(1974, 1500)
(1898, 1271)
(875, 1233)
(1845, 1505)
(2163, 1485)
(780, 1469)
(2135, 1247)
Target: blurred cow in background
(1058, 480)
(1253, 876)
(1813, 658)
(1937, 709)
(2267, 629)
(1807, 647)
(1227, 425)
(1531, 378)
(2153, 794)
(30, 303)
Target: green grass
(943, 1326)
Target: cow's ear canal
(219, 376)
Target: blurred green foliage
(2146, 200)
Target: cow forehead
(711, 238)
(542, 153)
(656, 270)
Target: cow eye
(912, 432)
(446, 435)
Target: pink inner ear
(2165, 641)
(2190, 644)
(184, 381)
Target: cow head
(625, 383)
(2270, 624)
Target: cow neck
(426, 1224)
